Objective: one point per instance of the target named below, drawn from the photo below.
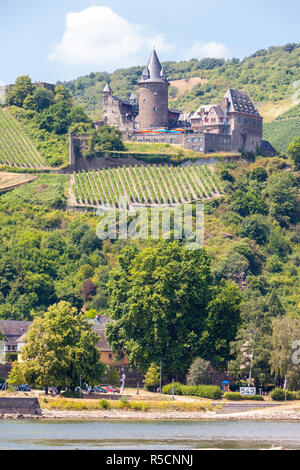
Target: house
(12, 330)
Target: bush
(104, 404)
(235, 396)
(203, 391)
(278, 394)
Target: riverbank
(276, 413)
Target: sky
(58, 40)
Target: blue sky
(53, 40)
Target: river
(121, 435)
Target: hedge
(278, 394)
(204, 391)
(237, 396)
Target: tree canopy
(59, 348)
(162, 300)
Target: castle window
(155, 93)
(155, 108)
(144, 101)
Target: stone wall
(26, 406)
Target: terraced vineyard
(16, 149)
(148, 185)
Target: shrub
(204, 391)
(167, 389)
(124, 403)
(104, 404)
(234, 396)
(278, 394)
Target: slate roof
(107, 89)
(99, 327)
(153, 72)
(12, 330)
(239, 102)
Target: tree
(59, 348)
(284, 358)
(113, 376)
(19, 92)
(106, 138)
(282, 193)
(252, 344)
(42, 99)
(255, 227)
(88, 290)
(199, 372)
(249, 202)
(159, 303)
(293, 152)
(221, 324)
(16, 375)
(152, 377)
(259, 174)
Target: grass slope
(283, 129)
(48, 191)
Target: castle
(233, 125)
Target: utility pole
(160, 378)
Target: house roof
(12, 330)
(239, 102)
(99, 327)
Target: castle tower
(107, 101)
(153, 99)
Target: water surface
(123, 435)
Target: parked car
(53, 391)
(100, 389)
(3, 386)
(111, 389)
(23, 388)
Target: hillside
(282, 130)
(16, 149)
(267, 75)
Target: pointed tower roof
(107, 89)
(154, 65)
(153, 71)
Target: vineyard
(145, 185)
(16, 149)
